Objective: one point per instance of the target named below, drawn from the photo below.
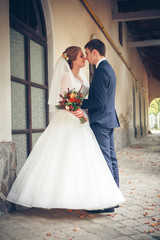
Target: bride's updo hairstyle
(70, 54)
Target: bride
(66, 168)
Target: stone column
(7, 173)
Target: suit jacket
(101, 99)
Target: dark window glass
(18, 9)
(120, 33)
(28, 11)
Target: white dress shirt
(100, 61)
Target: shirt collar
(97, 64)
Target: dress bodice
(74, 83)
(85, 86)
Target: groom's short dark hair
(98, 45)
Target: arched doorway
(29, 78)
(154, 114)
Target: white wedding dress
(66, 168)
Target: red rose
(71, 107)
(72, 100)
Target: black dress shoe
(116, 206)
(108, 210)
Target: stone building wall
(7, 173)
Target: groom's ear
(95, 52)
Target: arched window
(29, 85)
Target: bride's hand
(85, 118)
(79, 114)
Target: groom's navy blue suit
(102, 113)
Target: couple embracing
(73, 165)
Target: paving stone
(143, 228)
(131, 222)
(5, 236)
(124, 238)
(142, 237)
(127, 231)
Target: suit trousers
(105, 140)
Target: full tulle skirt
(66, 169)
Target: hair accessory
(64, 55)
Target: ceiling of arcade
(142, 18)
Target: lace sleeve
(66, 83)
(85, 88)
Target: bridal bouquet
(72, 101)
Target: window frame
(30, 34)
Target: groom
(101, 105)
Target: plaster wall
(5, 88)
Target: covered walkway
(137, 219)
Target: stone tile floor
(137, 219)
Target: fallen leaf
(153, 219)
(147, 223)
(110, 215)
(48, 234)
(69, 210)
(153, 225)
(145, 214)
(91, 215)
(150, 231)
(82, 216)
(76, 229)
